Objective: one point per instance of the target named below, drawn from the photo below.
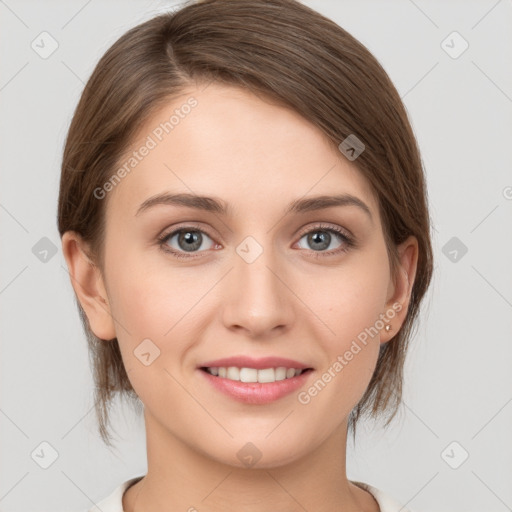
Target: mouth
(255, 381)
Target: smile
(255, 381)
(262, 376)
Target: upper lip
(250, 362)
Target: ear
(400, 288)
(88, 284)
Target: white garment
(114, 502)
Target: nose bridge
(258, 300)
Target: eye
(185, 240)
(320, 238)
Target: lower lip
(255, 392)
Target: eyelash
(347, 240)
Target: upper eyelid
(327, 227)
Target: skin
(258, 157)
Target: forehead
(226, 141)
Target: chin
(258, 451)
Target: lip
(255, 392)
(258, 364)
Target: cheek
(157, 309)
(150, 298)
(151, 315)
(351, 353)
(339, 387)
(356, 298)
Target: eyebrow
(215, 205)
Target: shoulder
(386, 502)
(114, 501)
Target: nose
(257, 299)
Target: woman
(244, 216)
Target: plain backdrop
(450, 448)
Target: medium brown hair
(280, 50)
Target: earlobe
(88, 285)
(401, 288)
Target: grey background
(458, 378)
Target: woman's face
(264, 275)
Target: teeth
(248, 375)
(253, 375)
(233, 373)
(267, 375)
(280, 373)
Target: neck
(181, 478)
